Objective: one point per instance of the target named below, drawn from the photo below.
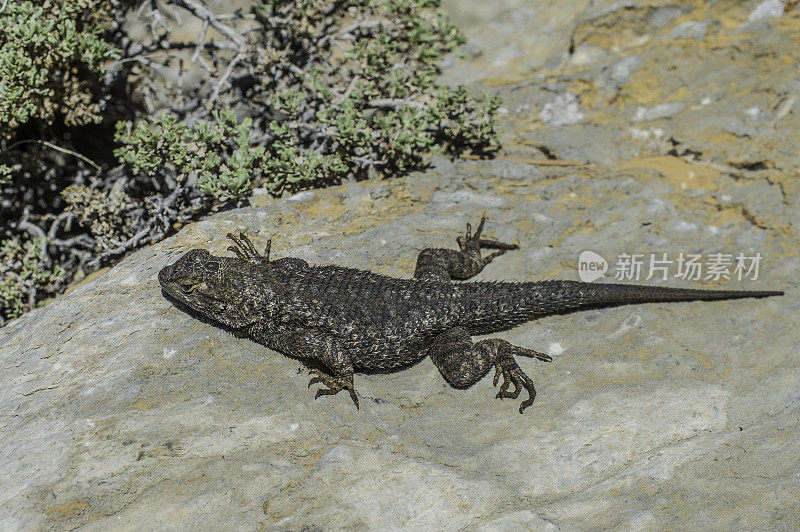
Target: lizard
(350, 320)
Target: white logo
(591, 266)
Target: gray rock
(508, 47)
(663, 16)
(466, 197)
(621, 71)
(692, 29)
(586, 54)
(562, 110)
(663, 110)
(121, 410)
(767, 9)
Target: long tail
(573, 294)
(515, 303)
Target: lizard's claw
(506, 366)
(507, 380)
(334, 384)
(245, 249)
(513, 374)
(470, 242)
(317, 377)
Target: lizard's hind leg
(463, 363)
(444, 264)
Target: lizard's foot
(471, 244)
(335, 384)
(506, 366)
(439, 264)
(245, 249)
(463, 363)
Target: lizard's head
(217, 287)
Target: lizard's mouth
(167, 284)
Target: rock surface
(120, 410)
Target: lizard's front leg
(328, 350)
(245, 249)
(464, 363)
(441, 264)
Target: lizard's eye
(186, 286)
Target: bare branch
(203, 13)
(200, 41)
(57, 148)
(223, 79)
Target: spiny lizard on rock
(349, 320)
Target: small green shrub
(111, 218)
(51, 54)
(26, 279)
(361, 77)
(351, 91)
(5, 174)
(217, 154)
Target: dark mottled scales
(351, 320)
